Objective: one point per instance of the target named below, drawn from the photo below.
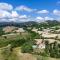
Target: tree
(55, 49)
(1, 31)
(47, 47)
(18, 42)
(51, 50)
(6, 52)
(56, 28)
(27, 48)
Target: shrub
(27, 48)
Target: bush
(27, 48)
(1, 32)
(18, 42)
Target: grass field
(45, 58)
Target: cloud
(48, 18)
(19, 18)
(24, 8)
(4, 14)
(14, 14)
(6, 6)
(43, 12)
(7, 13)
(39, 19)
(44, 18)
(56, 12)
(23, 17)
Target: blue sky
(29, 10)
(39, 4)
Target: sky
(29, 10)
